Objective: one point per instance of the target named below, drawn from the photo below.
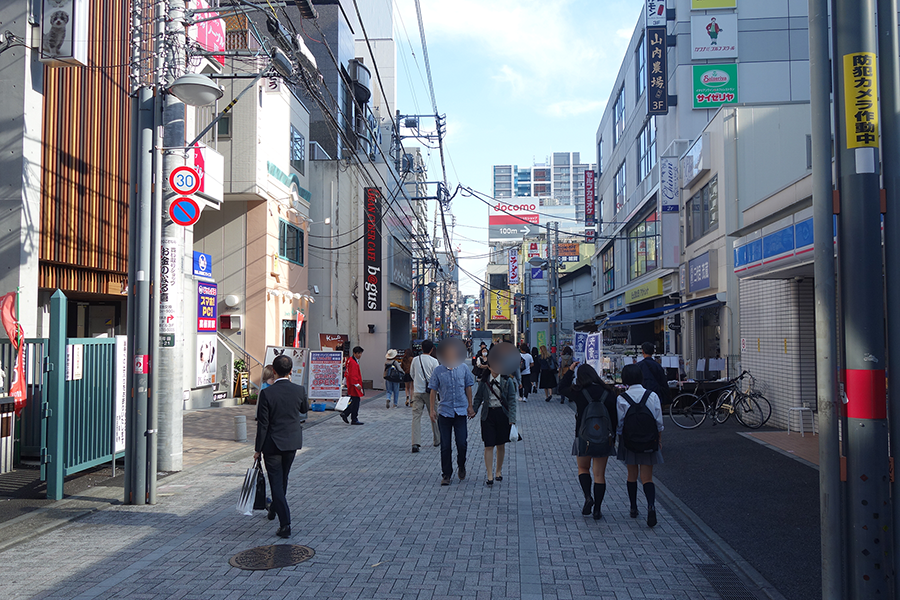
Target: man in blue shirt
(453, 381)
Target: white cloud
(574, 108)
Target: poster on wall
(64, 32)
(334, 341)
(325, 375)
(121, 393)
(168, 272)
(298, 356)
(207, 307)
(499, 305)
(373, 275)
(714, 36)
(580, 344)
(541, 337)
(206, 359)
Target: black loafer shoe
(445, 481)
(651, 518)
(633, 513)
(344, 417)
(462, 474)
(598, 513)
(357, 423)
(415, 449)
(588, 505)
(284, 532)
(271, 514)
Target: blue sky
(517, 79)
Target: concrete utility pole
(830, 504)
(862, 300)
(167, 396)
(889, 71)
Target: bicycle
(751, 393)
(689, 411)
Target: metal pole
(830, 509)
(171, 359)
(862, 301)
(889, 71)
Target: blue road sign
(202, 265)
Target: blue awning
(653, 314)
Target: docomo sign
(513, 214)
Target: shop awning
(648, 316)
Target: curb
(62, 512)
(774, 448)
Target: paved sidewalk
(381, 527)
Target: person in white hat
(393, 376)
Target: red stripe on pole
(866, 394)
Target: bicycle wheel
(764, 404)
(725, 406)
(687, 411)
(749, 413)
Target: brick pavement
(381, 527)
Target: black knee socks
(650, 492)
(632, 493)
(585, 480)
(599, 493)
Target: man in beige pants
(422, 368)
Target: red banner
(17, 337)
(300, 317)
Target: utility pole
(889, 71)
(869, 511)
(830, 501)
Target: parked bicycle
(751, 408)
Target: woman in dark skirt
(639, 464)
(589, 384)
(496, 397)
(547, 377)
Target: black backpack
(393, 374)
(640, 433)
(521, 364)
(595, 437)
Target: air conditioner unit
(231, 322)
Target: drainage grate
(725, 582)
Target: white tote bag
(342, 404)
(513, 433)
(248, 490)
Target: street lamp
(195, 90)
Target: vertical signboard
(65, 32)
(207, 307)
(861, 100)
(593, 351)
(657, 72)
(589, 209)
(656, 13)
(714, 36)
(374, 278)
(206, 359)
(121, 393)
(513, 266)
(669, 206)
(578, 352)
(168, 272)
(499, 305)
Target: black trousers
(352, 409)
(278, 467)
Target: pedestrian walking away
(655, 378)
(535, 368)
(393, 377)
(525, 367)
(547, 378)
(422, 369)
(279, 434)
(640, 425)
(496, 397)
(454, 382)
(567, 357)
(595, 426)
(406, 366)
(354, 387)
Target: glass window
(290, 242)
(619, 116)
(643, 246)
(298, 151)
(620, 187)
(608, 263)
(702, 211)
(647, 148)
(640, 69)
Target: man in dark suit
(655, 378)
(279, 434)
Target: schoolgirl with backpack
(595, 426)
(640, 425)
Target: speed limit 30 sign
(184, 180)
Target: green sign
(715, 85)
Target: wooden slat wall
(84, 195)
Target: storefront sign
(714, 36)
(657, 71)
(668, 184)
(202, 265)
(513, 266)
(168, 272)
(568, 249)
(702, 272)
(206, 359)
(644, 292)
(537, 273)
(325, 375)
(710, 4)
(593, 351)
(715, 85)
(373, 276)
(513, 221)
(500, 305)
(207, 306)
(861, 100)
(333, 341)
(590, 235)
(656, 13)
(589, 214)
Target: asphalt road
(762, 503)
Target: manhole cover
(271, 557)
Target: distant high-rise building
(559, 181)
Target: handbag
(343, 403)
(248, 490)
(514, 434)
(260, 503)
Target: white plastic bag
(513, 433)
(248, 490)
(342, 404)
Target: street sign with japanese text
(715, 85)
(513, 266)
(656, 13)
(589, 208)
(657, 71)
(861, 99)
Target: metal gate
(28, 424)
